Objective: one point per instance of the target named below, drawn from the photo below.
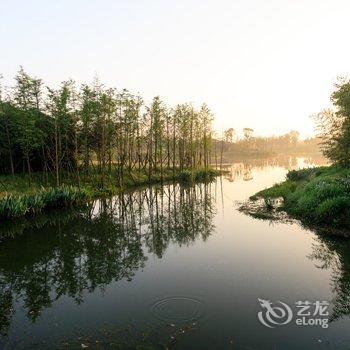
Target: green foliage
(204, 175)
(35, 203)
(317, 196)
(63, 196)
(13, 207)
(186, 176)
(17, 206)
(201, 175)
(334, 210)
(277, 190)
(299, 175)
(334, 126)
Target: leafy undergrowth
(319, 196)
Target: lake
(175, 267)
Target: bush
(298, 175)
(278, 190)
(201, 175)
(206, 174)
(334, 210)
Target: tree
(6, 124)
(229, 135)
(248, 133)
(207, 118)
(329, 127)
(59, 110)
(27, 98)
(334, 126)
(87, 114)
(294, 137)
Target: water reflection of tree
(71, 252)
(182, 223)
(333, 253)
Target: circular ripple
(178, 309)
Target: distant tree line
(75, 131)
(288, 142)
(334, 125)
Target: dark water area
(173, 267)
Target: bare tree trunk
(221, 153)
(29, 170)
(168, 142)
(174, 145)
(76, 157)
(10, 149)
(56, 154)
(103, 151)
(216, 156)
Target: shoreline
(41, 199)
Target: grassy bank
(318, 196)
(17, 199)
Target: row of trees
(287, 142)
(334, 125)
(76, 130)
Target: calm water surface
(170, 267)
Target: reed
(16, 206)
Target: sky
(263, 64)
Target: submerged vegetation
(64, 146)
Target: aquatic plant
(16, 206)
(12, 207)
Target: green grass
(18, 199)
(316, 196)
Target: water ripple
(178, 309)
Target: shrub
(205, 174)
(333, 209)
(298, 175)
(278, 190)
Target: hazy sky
(264, 64)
